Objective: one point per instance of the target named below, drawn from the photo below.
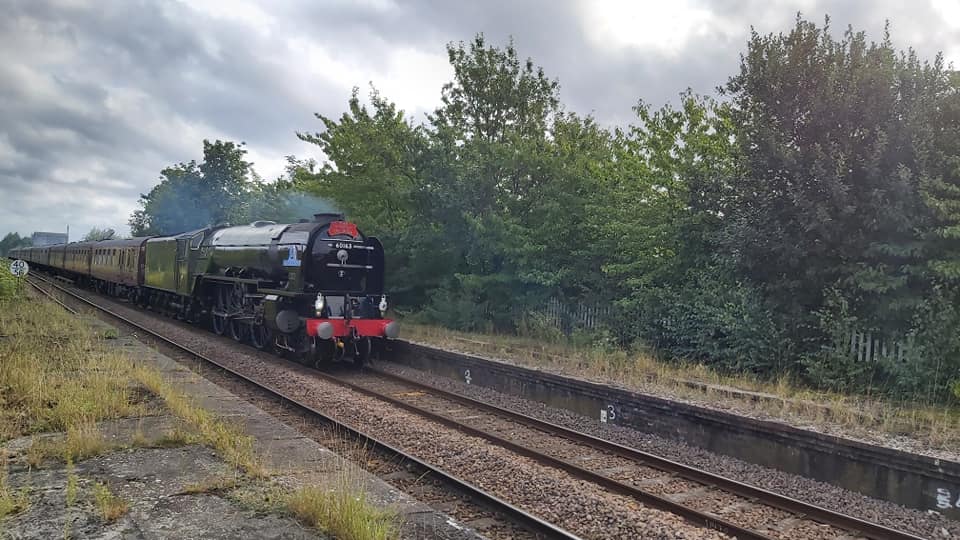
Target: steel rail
(807, 510)
(696, 517)
(528, 520)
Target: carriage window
(196, 241)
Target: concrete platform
(295, 460)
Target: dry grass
(343, 512)
(235, 447)
(81, 441)
(73, 485)
(174, 438)
(781, 399)
(139, 439)
(59, 376)
(109, 505)
(214, 485)
(11, 501)
(56, 375)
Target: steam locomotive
(313, 290)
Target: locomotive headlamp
(383, 304)
(319, 303)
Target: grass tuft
(109, 505)
(175, 438)
(110, 333)
(343, 512)
(139, 439)
(214, 485)
(73, 485)
(11, 502)
(235, 447)
(83, 441)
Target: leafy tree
(13, 240)
(940, 184)
(373, 174)
(489, 162)
(830, 197)
(456, 198)
(193, 195)
(97, 234)
(493, 125)
(663, 203)
(372, 169)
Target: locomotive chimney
(327, 217)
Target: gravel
(926, 524)
(767, 520)
(745, 405)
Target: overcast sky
(97, 97)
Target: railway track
(701, 497)
(739, 509)
(538, 527)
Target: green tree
(193, 195)
(940, 184)
(373, 173)
(96, 234)
(664, 200)
(492, 126)
(829, 200)
(371, 170)
(13, 240)
(489, 163)
(462, 200)
(846, 212)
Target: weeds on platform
(56, 376)
(109, 505)
(342, 508)
(235, 447)
(344, 512)
(213, 485)
(73, 485)
(82, 441)
(11, 501)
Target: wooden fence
(866, 347)
(567, 317)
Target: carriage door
(181, 266)
(142, 264)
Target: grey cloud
(109, 93)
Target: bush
(929, 372)
(709, 318)
(8, 283)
